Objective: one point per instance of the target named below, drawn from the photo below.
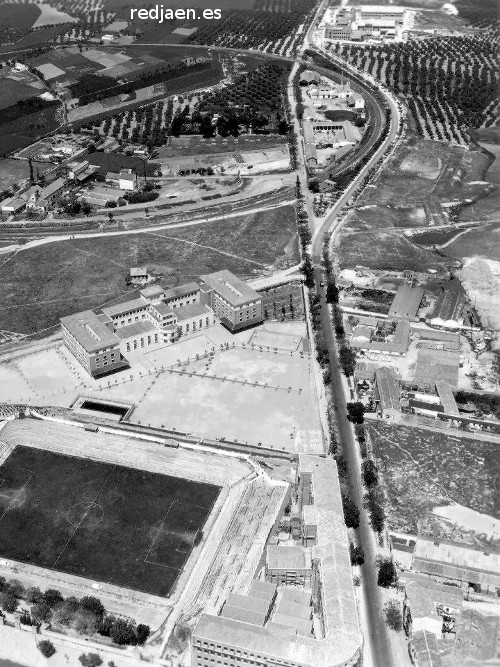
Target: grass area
(41, 284)
(14, 91)
(24, 131)
(423, 469)
(105, 522)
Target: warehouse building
(407, 302)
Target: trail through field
(208, 247)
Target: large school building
(155, 317)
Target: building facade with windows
(155, 317)
(233, 301)
(92, 342)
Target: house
(127, 180)
(13, 205)
(139, 274)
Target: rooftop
(193, 310)
(433, 365)
(181, 290)
(231, 288)
(162, 308)
(151, 291)
(89, 331)
(388, 389)
(262, 589)
(248, 602)
(288, 558)
(135, 329)
(124, 307)
(251, 616)
(452, 560)
(407, 301)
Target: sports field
(104, 522)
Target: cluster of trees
(86, 615)
(253, 100)
(249, 29)
(393, 615)
(357, 554)
(387, 575)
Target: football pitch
(100, 521)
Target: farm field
(251, 103)
(105, 522)
(424, 469)
(44, 283)
(274, 27)
(449, 83)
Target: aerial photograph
(249, 333)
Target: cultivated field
(423, 469)
(108, 523)
(74, 275)
(449, 83)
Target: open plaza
(258, 386)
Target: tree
(393, 615)
(357, 554)
(387, 574)
(332, 292)
(143, 632)
(355, 412)
(90, 659)
(347, 358)
(8, 602)
(85, 622)
(370, 474)
(41, 611)
(33, 594)
(351, 512)
(52, 597)
(123, 632)
(16, 588)
(93, 604)
(64, 612)
(375, 508)
(46, 648)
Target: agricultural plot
(100, 521)
(449, 83)
(273, 27)
(424, 469)
(253, 102)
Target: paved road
(376, 632)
